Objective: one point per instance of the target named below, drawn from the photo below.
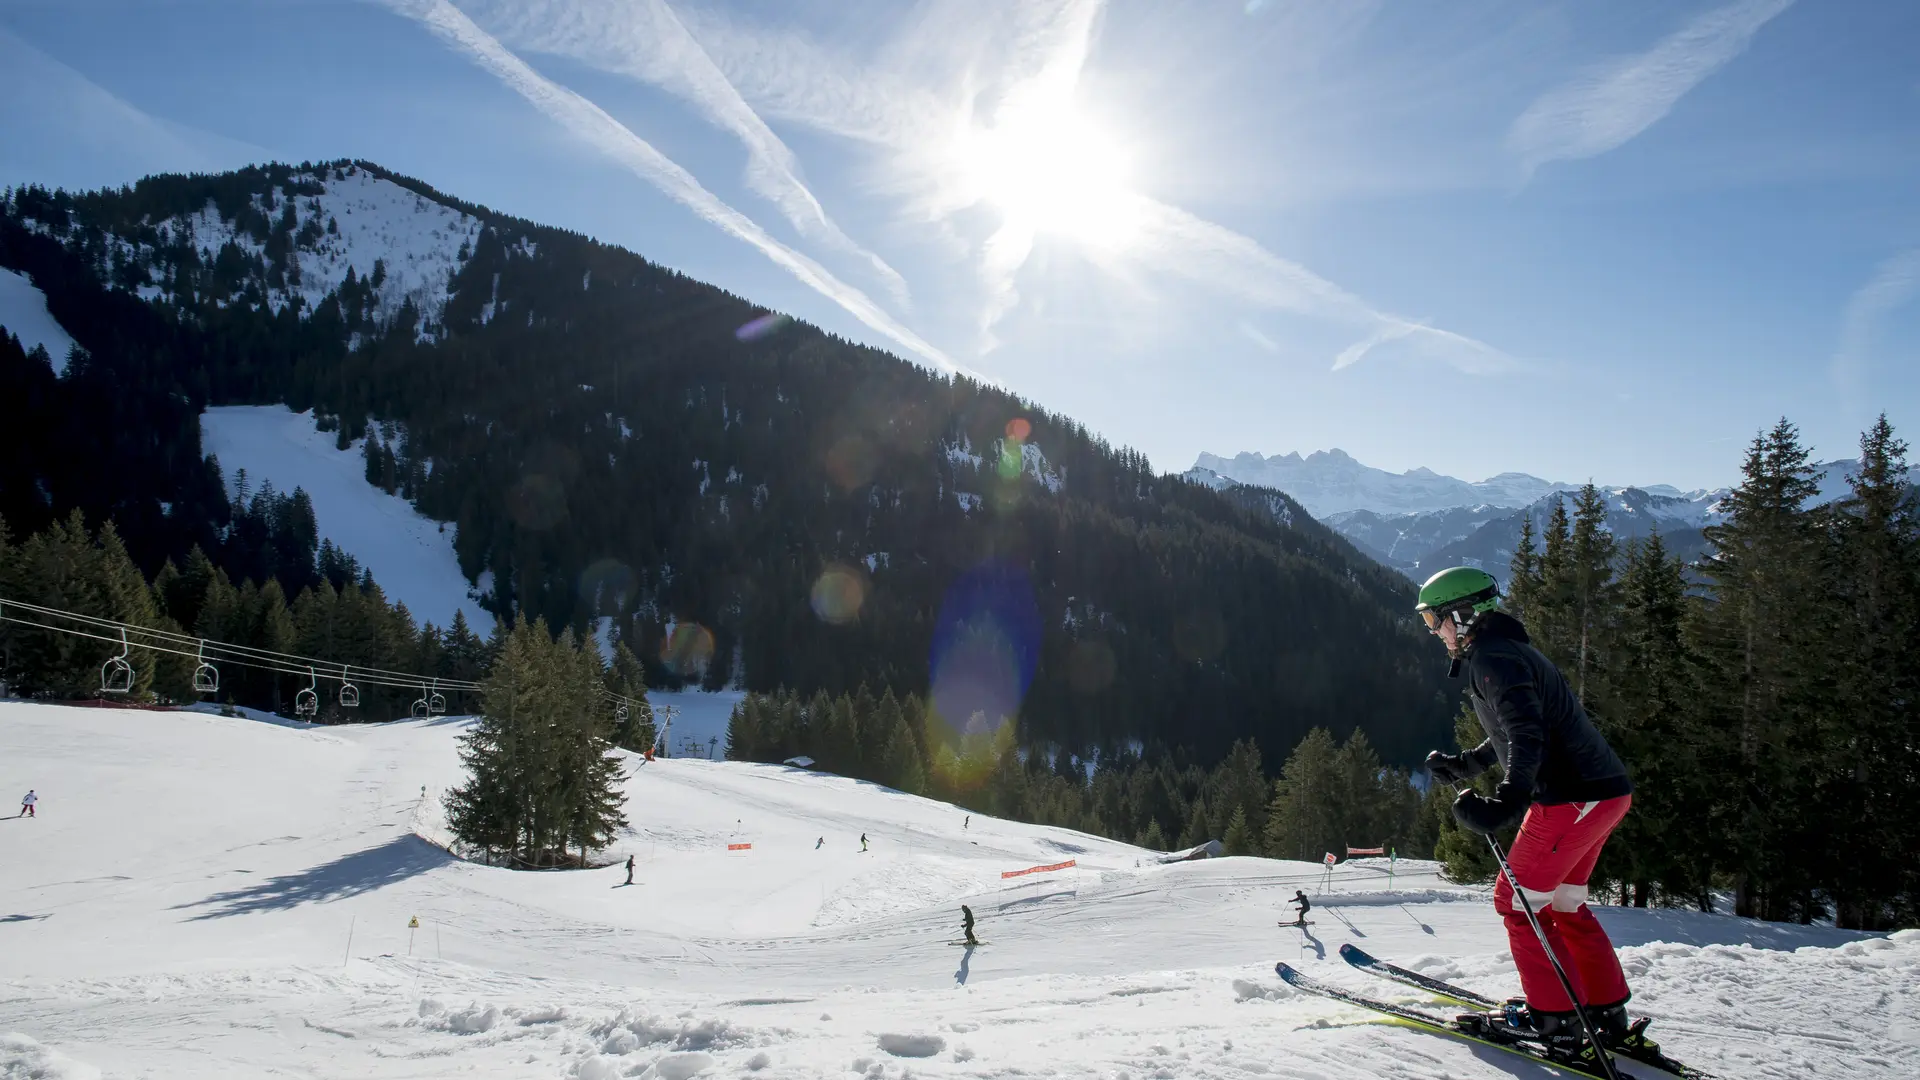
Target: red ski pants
(1553, 857)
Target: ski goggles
(1433, 619)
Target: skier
(26, 803)
(966, 924)
(629, 869)
(817, 843)
(863, 841)
(966, 822)
(1565, 787)
(1300, 898)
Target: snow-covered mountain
(1327, 482)
(1484, 530)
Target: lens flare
(985, 647)
(850, 462)
(1018, 429)
(764, 326)
(686, 649)
(838, 593)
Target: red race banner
(739, 847)
(1036, 869)
(1366, 851)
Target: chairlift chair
(421, 707)
(620, 713)
(349, 693)
(116, 675)
(307, 702)
(436, 704)
(206, 678)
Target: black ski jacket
(1535, 727)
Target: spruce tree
(1755, 640)
(1239, 836)
(1303, 820)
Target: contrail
(592, 124)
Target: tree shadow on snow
(1039, 898)
(349, 875)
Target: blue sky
(1605, 240)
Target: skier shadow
(1319, 948)
(349, 875)
(966, 962)
(24, 918)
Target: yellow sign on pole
(413, 923)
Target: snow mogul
(1566, 789)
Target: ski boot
(1622, 1034)
(1558, 1033)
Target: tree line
(341, 615)
(1765, 698)
(1329, 796)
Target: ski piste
(1373, 965)
(1439, 1025)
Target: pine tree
(1757, 697)
(1303, 820)
(1239, 837)
(1590, 592)
(1870, 787)
(1151, 838)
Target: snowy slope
(24, 314)
(183, 903)
(357, 218)
(410, 555)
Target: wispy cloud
(1616, 101)
(646, 40)
(593, 125)
(1895, 284)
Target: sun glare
(1049, 168)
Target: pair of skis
(1445, 1025)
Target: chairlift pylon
(307, 702)
(349, 693)
(116, 675)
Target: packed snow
(411, 555)
(203, 896)
(24, 314)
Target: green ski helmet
(1463, 593)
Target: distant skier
(1565, 787)
(1305, 905)
(817, 843)
(26, 804)
(966, 925)
(629, 869)
(863, 841)
(966, 822)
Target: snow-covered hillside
(211, 897)
(355, 220)
(411, 556)
(24, 314)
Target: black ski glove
(1477, 813)
(1450, 769)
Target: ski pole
(1606, 1059)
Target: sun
(1050, 169)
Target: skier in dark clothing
(1563, 785)
(863, 841)
(1300, 898)
(966, 924)
(629, 869)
